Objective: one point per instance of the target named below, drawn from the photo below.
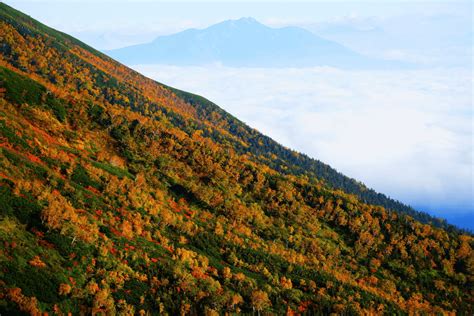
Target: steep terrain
(119, 195)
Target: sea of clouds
(406, 133)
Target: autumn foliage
(120, 195)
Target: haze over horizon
(409, 132)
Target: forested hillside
(119, 195)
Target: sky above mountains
(406, 133)
(428, 32)
(424, 31)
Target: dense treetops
(120, 195)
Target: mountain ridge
(244, 42)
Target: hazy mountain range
(248, 43)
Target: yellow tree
(260, 300)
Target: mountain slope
(243, 42)
(121, 195)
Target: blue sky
(406, 133)
(146, 19)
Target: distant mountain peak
(241, 22)
(247, 20)
(243, 42)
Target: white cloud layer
(405, 133)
